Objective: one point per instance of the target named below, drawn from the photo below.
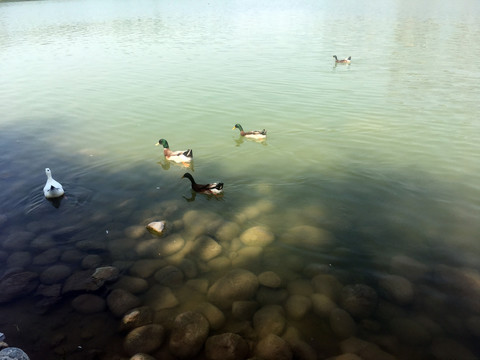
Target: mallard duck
(343, 61)
(212, 189)
(52, 189)
(255, 134)
(182, 156)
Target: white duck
(52, 188)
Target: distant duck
(255, 134)
(52, 189)
(211, 189)
(182, 156)
(343, 61)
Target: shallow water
(381, 155)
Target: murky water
(368, 179)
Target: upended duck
(52, 189)
(254, 134)
(211, 189)
(182, 156)
(343, 61)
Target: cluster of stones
(202, 287)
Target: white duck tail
(52, 188)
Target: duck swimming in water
(254, 134)
(52, 189)
(182, 156)
(211, 189)
(343, 61)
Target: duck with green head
(254, 134)
(182, 156)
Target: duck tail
(349, 58)
(219, 186)
(188, 153)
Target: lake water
(370, 173)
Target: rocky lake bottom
(220, 287)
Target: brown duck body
(212, 189)
(254, 134)
(343, 61)
(182, 156)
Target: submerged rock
(273, 347)
(397, 289)
(120, 301)
(359, 300)
(137, 317)
(144, 339)
(227, 346)
(156, 227)
(55, 274)
(189, 332)
(17, 284)
(88, 304)
(236, 285)
(13, 353)
(269, 320)
(257, 236)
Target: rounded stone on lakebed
(269, 279)
(257, 236)
(156, 227)
(120, 301)
(13, 353)
(235, 285)
(144, 339)
(88, 304)
(227, 346)
(273, 347)
(189, 332)
(55, 274)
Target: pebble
(119, 301)
(235, 285)
(88, 304)
(13, 353)
(170, 276)
(257, 236)
(359, 300)
(397, 289)
(269, 319)
(342, 324)
(226, 346)
(298, 306)
(156, 227)
(205, 248)
(144, 339)
(269, 279)
(273, 347)
(188, 334)
(132, 284)
(137, 317)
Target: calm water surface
(380, 157)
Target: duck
(182, 156)
(211, 189)
(52, 189)
(255, 134)
(343, 61)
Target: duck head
(162, 142)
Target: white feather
(52, 188)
